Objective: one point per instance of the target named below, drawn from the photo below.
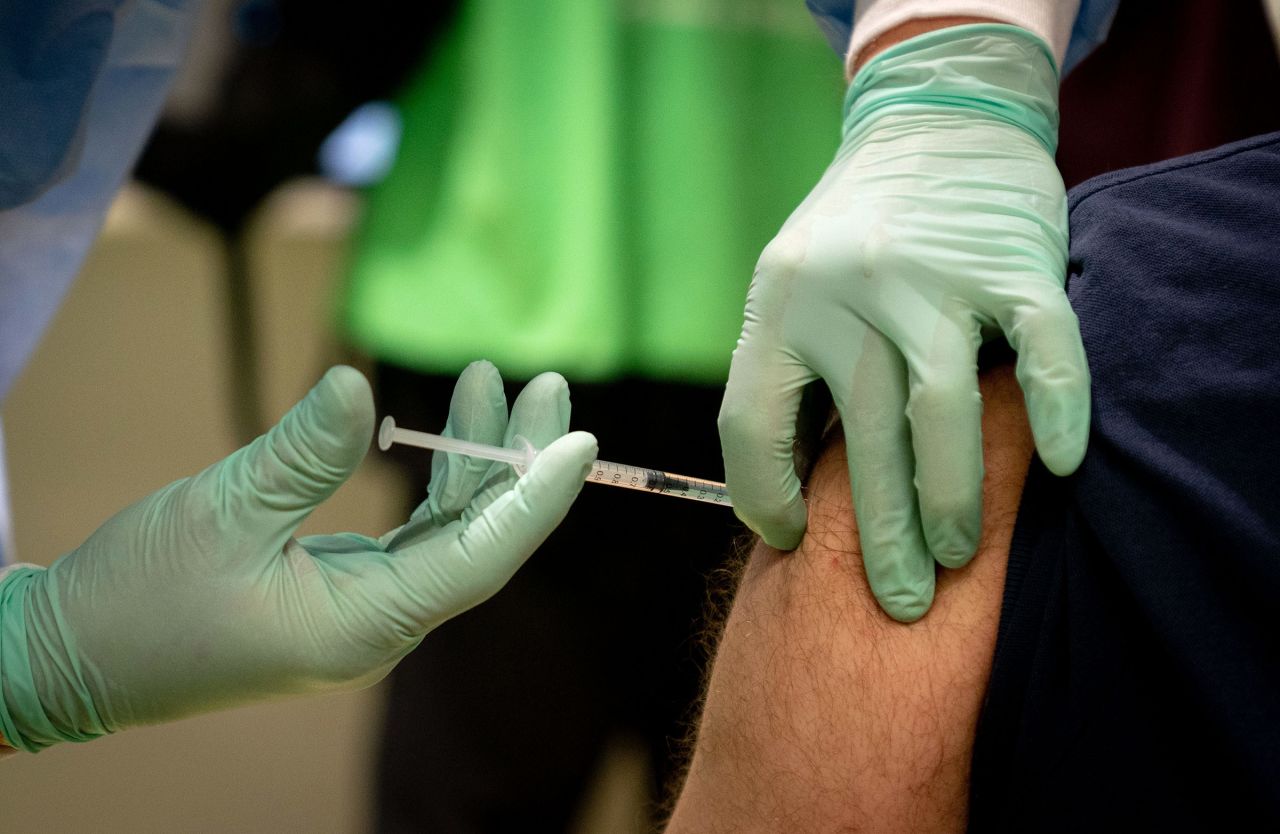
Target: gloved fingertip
(952, 520)
(1062, 435)
(349, 388)
(955, 554)
(479, 382)
(953, 538)
(339, 415)
(307, 455)
(782, 529)
(1063, 451)
(543, 407)
(566, 460)
(549, 384)
(479, 366)
(1058, 408)
(907, 606)
(900, 572)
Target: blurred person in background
(583, 185)
(272, 91)
(267, 81)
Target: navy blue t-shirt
(1136, 682)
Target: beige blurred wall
(128, 391)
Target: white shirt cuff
(1050, 19)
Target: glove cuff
(990, 70)
(24, 719)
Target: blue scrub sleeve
(91, 92)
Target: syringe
(602, 471)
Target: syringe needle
(602, 471)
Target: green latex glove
(941, 222)
(198, 597)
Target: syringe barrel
(602, 471)
(655, 480)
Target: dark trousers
(496, 722)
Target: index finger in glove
(757, 434)
(478, 413)
(758, 423)
(540, 415)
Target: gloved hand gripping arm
(198, 597)
(941, 222)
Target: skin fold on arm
(822, 714)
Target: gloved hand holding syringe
(601, 472)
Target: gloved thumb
(492, 546)
(272, 484)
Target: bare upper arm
(822, 713)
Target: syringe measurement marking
(655, 480)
